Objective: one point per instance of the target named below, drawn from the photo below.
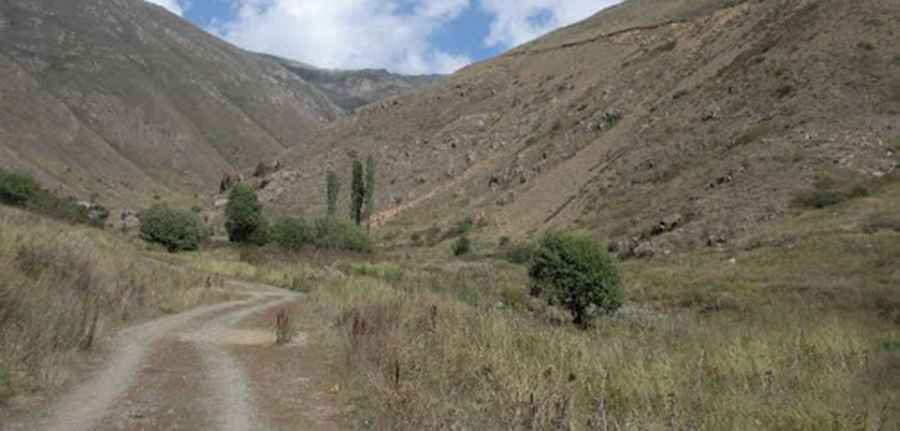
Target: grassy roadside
(65, 287)
(797, 327)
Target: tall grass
(63, 287)
(425, 360)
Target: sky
(404, 36)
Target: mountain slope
(352, 89)
(683, 123)
(124, 98)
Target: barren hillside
(677, 123)
(124, 99)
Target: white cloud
(519, 21)
(391, 34)
(172, 5)
(348, 34)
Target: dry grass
(65, 287)
(427, 361)
(254, 265)
(799, 332)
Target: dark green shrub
(464, 226)
(462, 246)
(504, 241)
(291, 233)
(262, 235)
(177, 230)
(244, 219)
(357, 192)
(332, 190)
(334, 234)
(577, 273)
(17, 189)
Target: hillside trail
(191, 371)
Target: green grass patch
(386, 272)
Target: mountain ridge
(707, 117)
(128, 101)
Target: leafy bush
(16, 189)
(577, 273)
(462, 246)
(177, 230)
(244, 219)
(334, 234)
(291, 233)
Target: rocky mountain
(352, 89)
(666, 123)
(124, 99)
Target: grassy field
(794, 328)
(64, 287)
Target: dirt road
(195, 371)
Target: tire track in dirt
(99, 400)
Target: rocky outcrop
(229, 180)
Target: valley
(670, 215)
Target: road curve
(84, 407)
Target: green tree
(577, 273)
(244, 219)
(357, 192)
(177, 230)
(332, 190)
(370, 190)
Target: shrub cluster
(577, 273)
(177, 230)
(23, 190)
(295, 233)
(16, 189)
(334, 234)
(291, 233)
